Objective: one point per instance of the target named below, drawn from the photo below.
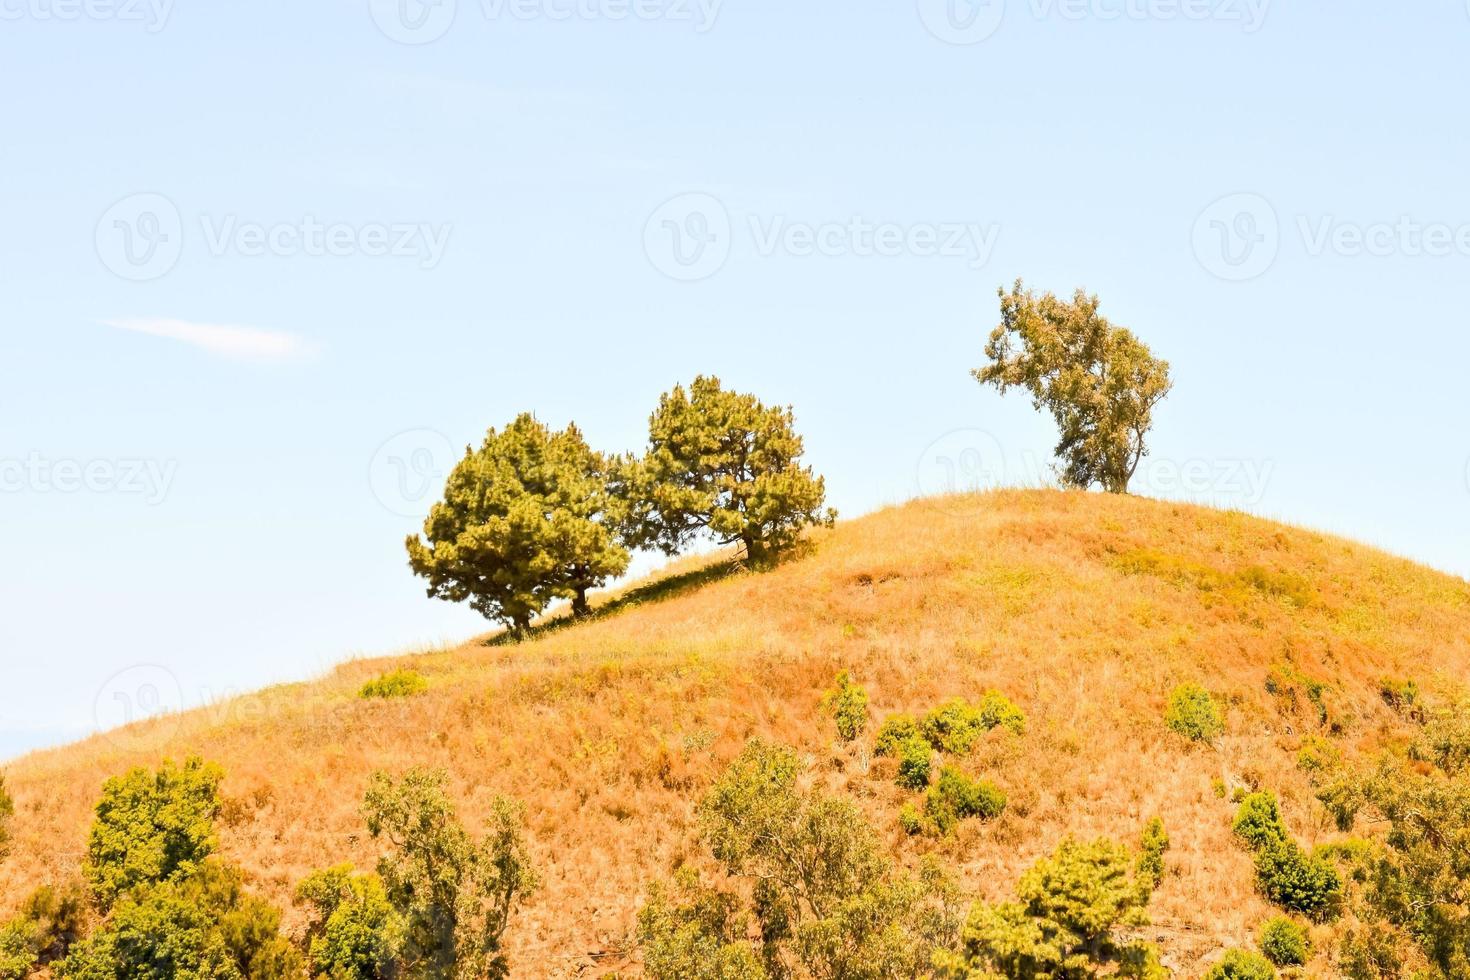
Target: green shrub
(1193, 713)
(1445, 742)
(1241, 964)
(1068, 921)
(1258, 821)
(1285, 942)
(453, 896)
(914, 757)
(895, 730)
(351, 935)
(997, 711)
(954, 727)
(7, 811)
(956, 797)
(911, 819)
(1150, 867)
(395, 684)
(57, 917)
(1297, 881)
(152, 827)
(848, 705)
(202, 927)
(17, 950)
(1403, 697)
(1318, 757)
(828, 901)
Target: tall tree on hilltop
(721, 463)
(524, 521)
(1099, 381)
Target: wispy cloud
(238, 343)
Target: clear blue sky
(222, 400)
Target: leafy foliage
(895, 730)
(1155, 842)
(529, 517)
(720, 463)
(848, 705)
(956, 725)
(395, 684)
(56, 918)
(199, 927)
(1258, 821)
(453, 895)
(957, 797)
(1285, 942)
(352, 933)
(1099, 382)
(1415, 901)
(152, 828)
(17, 950)
(1242, 964)
(1403, 697)
(915, 759)
(1297, 881)
(1065, 923)
(1192, 712)
(1286, 874)
(824, 901)
(7, 812)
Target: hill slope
(1086, 610)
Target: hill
(1086, 610)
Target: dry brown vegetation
(1085, 609)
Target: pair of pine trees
(533, 515)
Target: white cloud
(239, 343)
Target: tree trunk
(580, 606)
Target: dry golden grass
(1085, 609)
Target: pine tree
(722, 464)
(524, 521)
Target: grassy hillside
(1085, 609)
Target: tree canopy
(1099, 382)
(525, 520)
(722, 463)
